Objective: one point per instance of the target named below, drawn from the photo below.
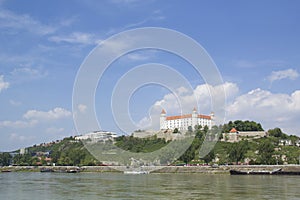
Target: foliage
(209, 157)
(242, 126)
(276, 132)
(134, 144)
(176, 130)
(258, 151)
(5, 159)
(266, 150)
(237, 151)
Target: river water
(147, 186)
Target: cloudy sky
(254, 44)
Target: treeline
(67, 152)
(242, 126)
(5, 159)
(266, 150)
(145, 145)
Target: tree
(5, 159)
(24, 159)
(237, 151)
(276, 132)
(209, 157)
(266, 150)
(188, 155)
(242, 126)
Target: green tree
(209, 157)
(22, 159)
(5, 159)
(276, 132)
(242, 126)
(237, 151)
(266, 150)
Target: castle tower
(212, 117)
(194, 118)
(163, 119)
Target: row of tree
(242, 126)
(259, 151)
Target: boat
(73, 171)
(287, 173)
(237, 172)
(256, 172)
(6, 170)
(264, 172)
(46, 170)
(136, 172)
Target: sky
(254, 44)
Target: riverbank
(168, 169)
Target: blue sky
(255, 45)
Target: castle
(183, 122)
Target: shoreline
(155, 170)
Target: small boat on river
(136, 172)
(264, 172)
(6, 170)
(46, 170)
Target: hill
(276, 148)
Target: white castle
(183, 122)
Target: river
(27, 185)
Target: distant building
(97, 136)
(23, 151)
(236, 136)
(165, 134)
(285, 143)
(183, 122)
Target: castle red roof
(233, 130)
(187, 116)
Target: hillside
(276, 148)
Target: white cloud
(15, 103)
(144, 123)
(271, 109)
(76, 38)
(170, 102)
(54, 130)
(3, 84)
(33, 117)
(28, 73)
(141, 55)
(56, 113)
(259, 63)
(283, 74)
(202, 94)
(25, 22)
(21, 138)
(156, 15)
(137, 56)
(82, 108)
(18, 124)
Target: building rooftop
(187, 116)
(233, 130)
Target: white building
(23, 151)
(183, 122)
(236, 136)
(285, 143)
(97, 136)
